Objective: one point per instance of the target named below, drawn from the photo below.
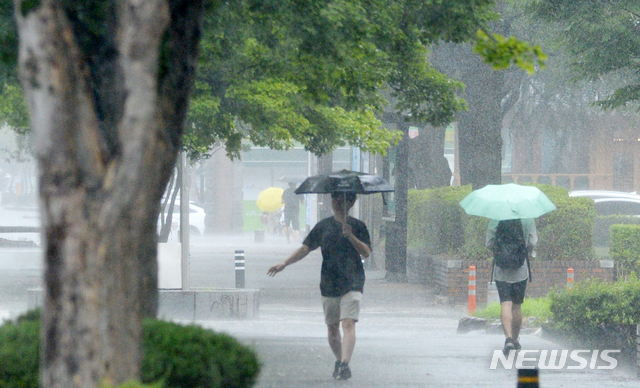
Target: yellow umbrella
(270, 200)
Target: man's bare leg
(506, 318)
(335, 340)
(348, 339)
(516, 321)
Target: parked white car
(617, 206)
(609, 203)
(593, 194)
(196, 218)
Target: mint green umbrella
(507, 202)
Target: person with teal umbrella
(512, 236)
(511, 279)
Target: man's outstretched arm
(297, 255)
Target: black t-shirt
(291, 201)
(342, 269)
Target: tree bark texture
(396, 236)
(428, 166)
(479, 128)
(325, 167)
(107, 95)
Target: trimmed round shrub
(174, 355)
(589, 310)
(19, 352)
(625, 246)
(190, 356)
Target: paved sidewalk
(404, 339)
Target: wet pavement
(404, 337)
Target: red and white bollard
(472, 289)
(570, 277)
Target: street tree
(602, 40)
(107, 84)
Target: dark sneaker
(508, 346)
(345, 371)
(516, 345)
(336, 370)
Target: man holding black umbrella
(343, 240)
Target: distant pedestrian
(342, 240)
(512, 282)
(292, 212)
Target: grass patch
(532, 307)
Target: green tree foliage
(8, 41)
(602, 39)
(280, 72)
(12, 107)
(313, 72)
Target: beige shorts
(345, 307)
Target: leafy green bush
(190, 356)
(175, 355)
(625, 246)
(19, 352)
(586, 311)
(434, 220)
(602, 227)
(566, 233)
(475, 236)
(133, 384)
(416, 216)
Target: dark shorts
(292, 219)
(511, 292)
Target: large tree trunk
(428, 166)
(107, 88)
(479, 128)
(396, 230)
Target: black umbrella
(344, 182)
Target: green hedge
(174, 355)
(435, 219)
(566, 233)
(625, 246)
(438, 224)
(602, 227)
(133, 384)
(190, 356)
(19, 351)
(587, 311)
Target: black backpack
(510, 249)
